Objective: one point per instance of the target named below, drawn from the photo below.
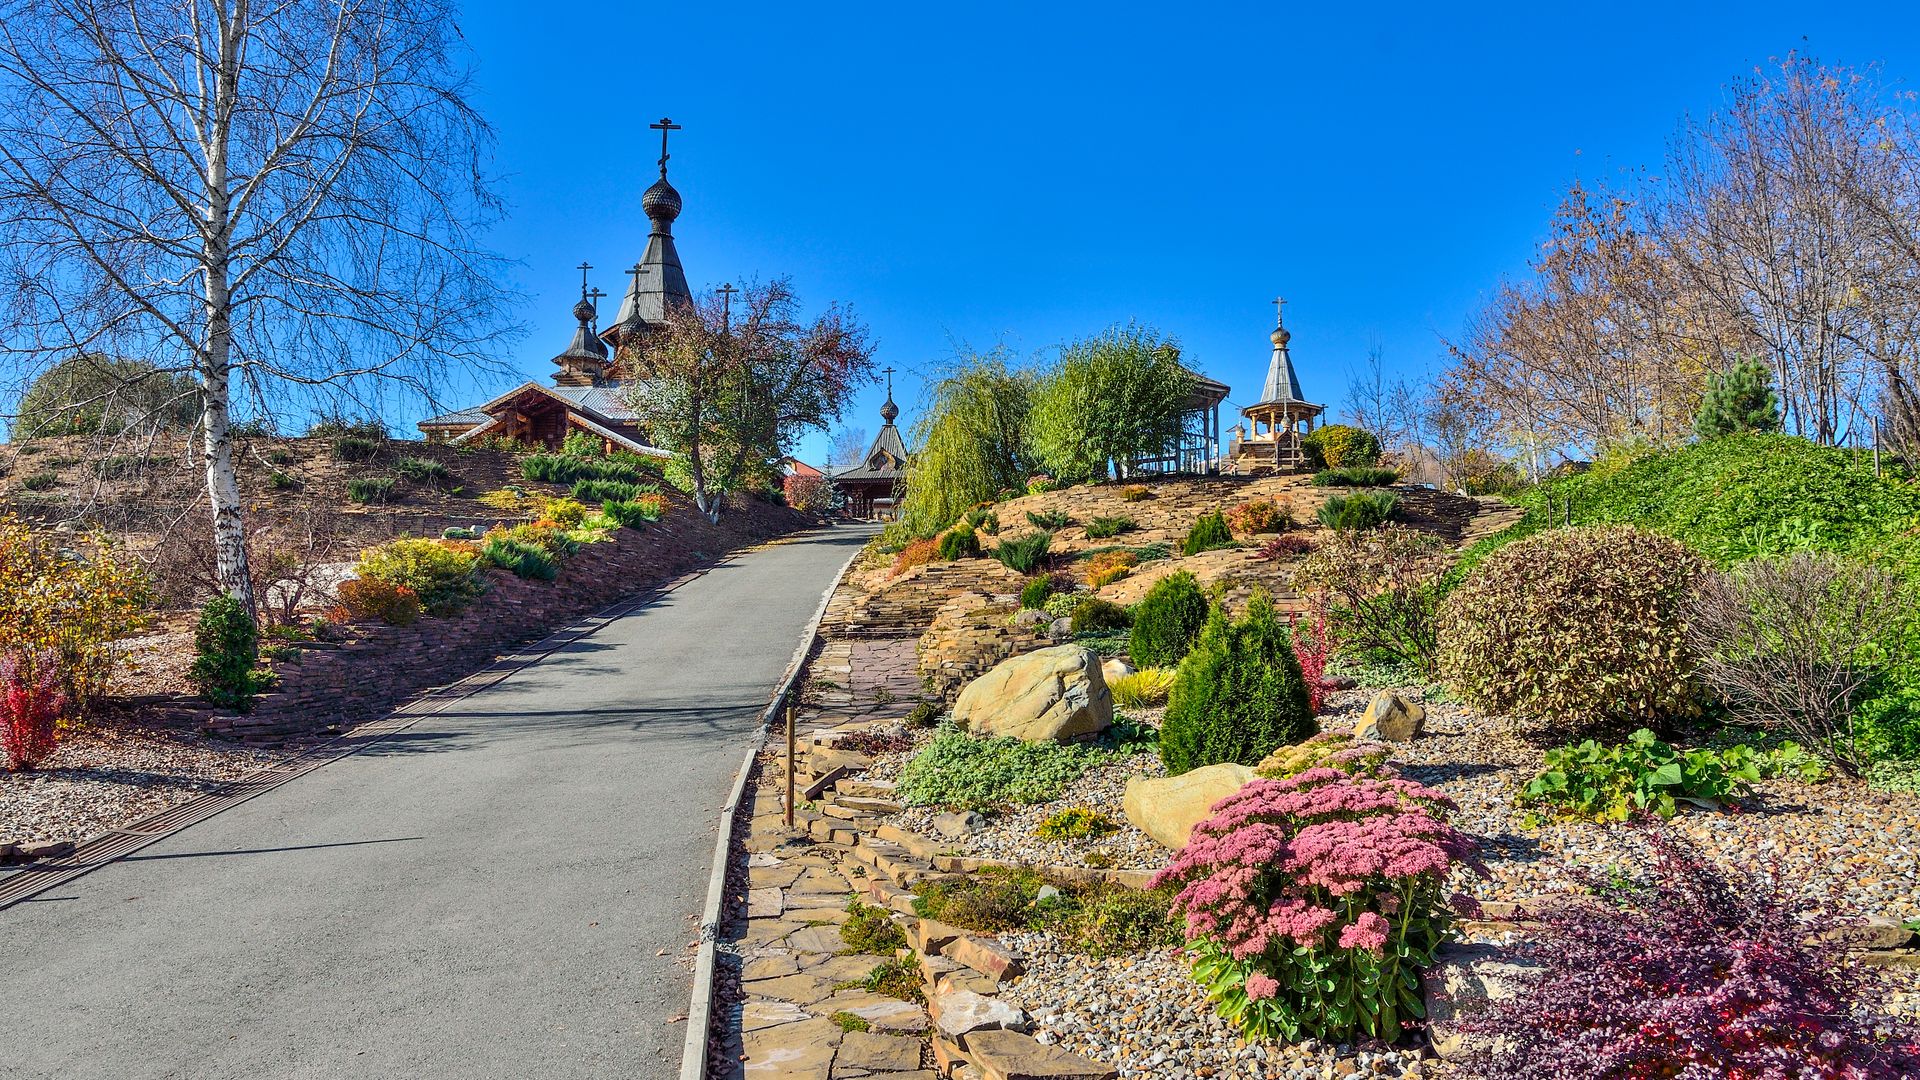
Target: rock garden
(1613, 781)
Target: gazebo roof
(1282, 391)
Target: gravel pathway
(109, 777)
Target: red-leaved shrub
(1700, 971)
(1312, 902)
(1312, 644)
(918, 553)
(366, 599)
(1260, 515)
(1284, 545)
(30, 706)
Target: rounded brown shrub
(1576, 627)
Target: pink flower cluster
(1261, 987)
(1288, 860)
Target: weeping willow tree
(971, 439)
(1107, 401)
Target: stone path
(508, 888)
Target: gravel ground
(1147, 1017)
(1847, 850)
(107, 778)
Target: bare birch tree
(277, 199)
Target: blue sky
(1028, 174)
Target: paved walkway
(506, 889)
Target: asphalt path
(506, 889)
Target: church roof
(879, 464)
(659, 284)
(1283, 383)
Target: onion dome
(889, 412)
(661, 202)
(1280, 336)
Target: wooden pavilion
(1282, 416)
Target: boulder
(1054, 694)
(958, 1013)
(1465, 978)
(1168, 807)
(1115, 669)
(1391, 718)
(1032, 617)
(958, 824)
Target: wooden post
(790, 764)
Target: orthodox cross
(583, 268)
(635, 275)
(726, 304)
(663, 127)
(1280, 314)
(888, 372)
(594, 298)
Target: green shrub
(1355, 477)
(1142, 689)
(570, 469)
(524, 559)
(959, 542)
(279, 481)
(1327, 750)
(983, 519)
(896, 977)
(422, 470)
(1643, 774)
(961, 771)
(1208, 533)
(1035, 592)
(1075, 823)
(1093, 614)
(581, 444)
(1360, 510)
(871, 930)
(629, 515)
(1382, 593)
(226, 646)
(1167, 621)
(1577, 627)
(1102, 528)
(280, 457)
(39, 481)
(442, 573)
(601, 491)
(1025, 554)
(1048, 519)
(370, 489)
(1239, 695)
(1340, 446)
(354, 447)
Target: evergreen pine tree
(1239, 695)
(1740, 400)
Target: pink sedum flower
(1261, 987)
(1368, 932)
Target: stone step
(1009, 1055)
(864, 789)
(922, 847)
(868, 805)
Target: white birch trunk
(216, 361)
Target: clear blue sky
(1030, 173)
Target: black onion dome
(889, 411)
(661, 201)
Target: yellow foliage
(74, 599)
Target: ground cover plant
(1208, 533)
(917, 553)
(1284, 546)
(1313, 902)
(871, 930)
(1101, 920)
(963, 771)
(1576, 627)
(1167, 621)
(1075, 823)
(371, 490)
(602, 491)
(1643, 775)
(1697, 970)
(1327, 750)
(1090, 613)
(1034, 593)
(1106, 528)
(1360, 510)
(570, 469)
(1109, 567)
(1050, 520)
(1238, 696)
(422, 471)
(1355, 477)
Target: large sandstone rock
(1053, 694)
(1168, 807)
(1391, 718)
(1463, 980)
